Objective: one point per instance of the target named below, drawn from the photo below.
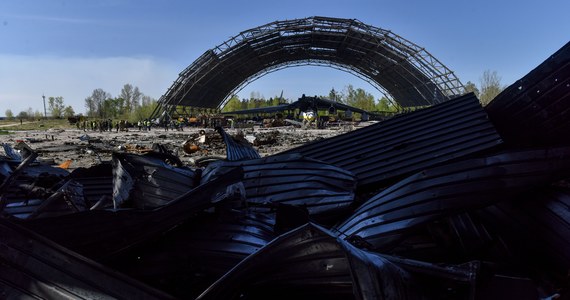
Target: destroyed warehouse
(452, 201)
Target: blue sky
(69, 48)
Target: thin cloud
(51, 19)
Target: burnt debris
(454, 201)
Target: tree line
(349, 95)
(131, 104)
(489, 87)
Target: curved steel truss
(400, 69)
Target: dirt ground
(85, 149)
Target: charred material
(535, 109)
(383, 153)
(34, 267)
(538, 223)
(442, 209)
(148, 182)
(111, 232)
(97, 184)
(188, 259)
(450, 189)
(237, 148)
(312, 263)
(292, 179)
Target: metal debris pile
(455, 201)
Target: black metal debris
(535, 110)
(294, 180)
(33, 267)
(383, 153)
(429, 205)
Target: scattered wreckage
(449, 202)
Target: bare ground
(88, 148)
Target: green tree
(349, 97)
(110, 108)
(335, 96)
(94, 103)
(23, 115)
(9, 114)
(27, 114)
(56, 106)
(384, 105)
(233, 104)
(470, 87)
(131, 96)
(146, 100)
(68, 112)
(490, 86)
(359, 98)
(144, 110)
(38, 115)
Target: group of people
(102, 125)
(144, 125)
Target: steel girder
(403, 71)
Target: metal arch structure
(398, 68)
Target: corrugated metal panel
(537, 223)
(221, 243)
(311, 263)
(456, 239)
(26, 191)
(382, 153)
(450, 189)
(152, 182)
(32, 267)
(237, 150)
(66, 200)
(97, 182)
(188, 259)
(11, 153)
(291, 179)
(535, 110)
(105, 233)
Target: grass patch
(43, 124)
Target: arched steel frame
(403, 71)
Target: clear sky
(69, 48)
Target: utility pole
(45, 112)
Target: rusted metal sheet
(535, 110)
(32, 267)
(291, 179)
(383, 153)
(105, 233)
(449, 189)
(311, 263)
(148, 182)
(237, 149)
